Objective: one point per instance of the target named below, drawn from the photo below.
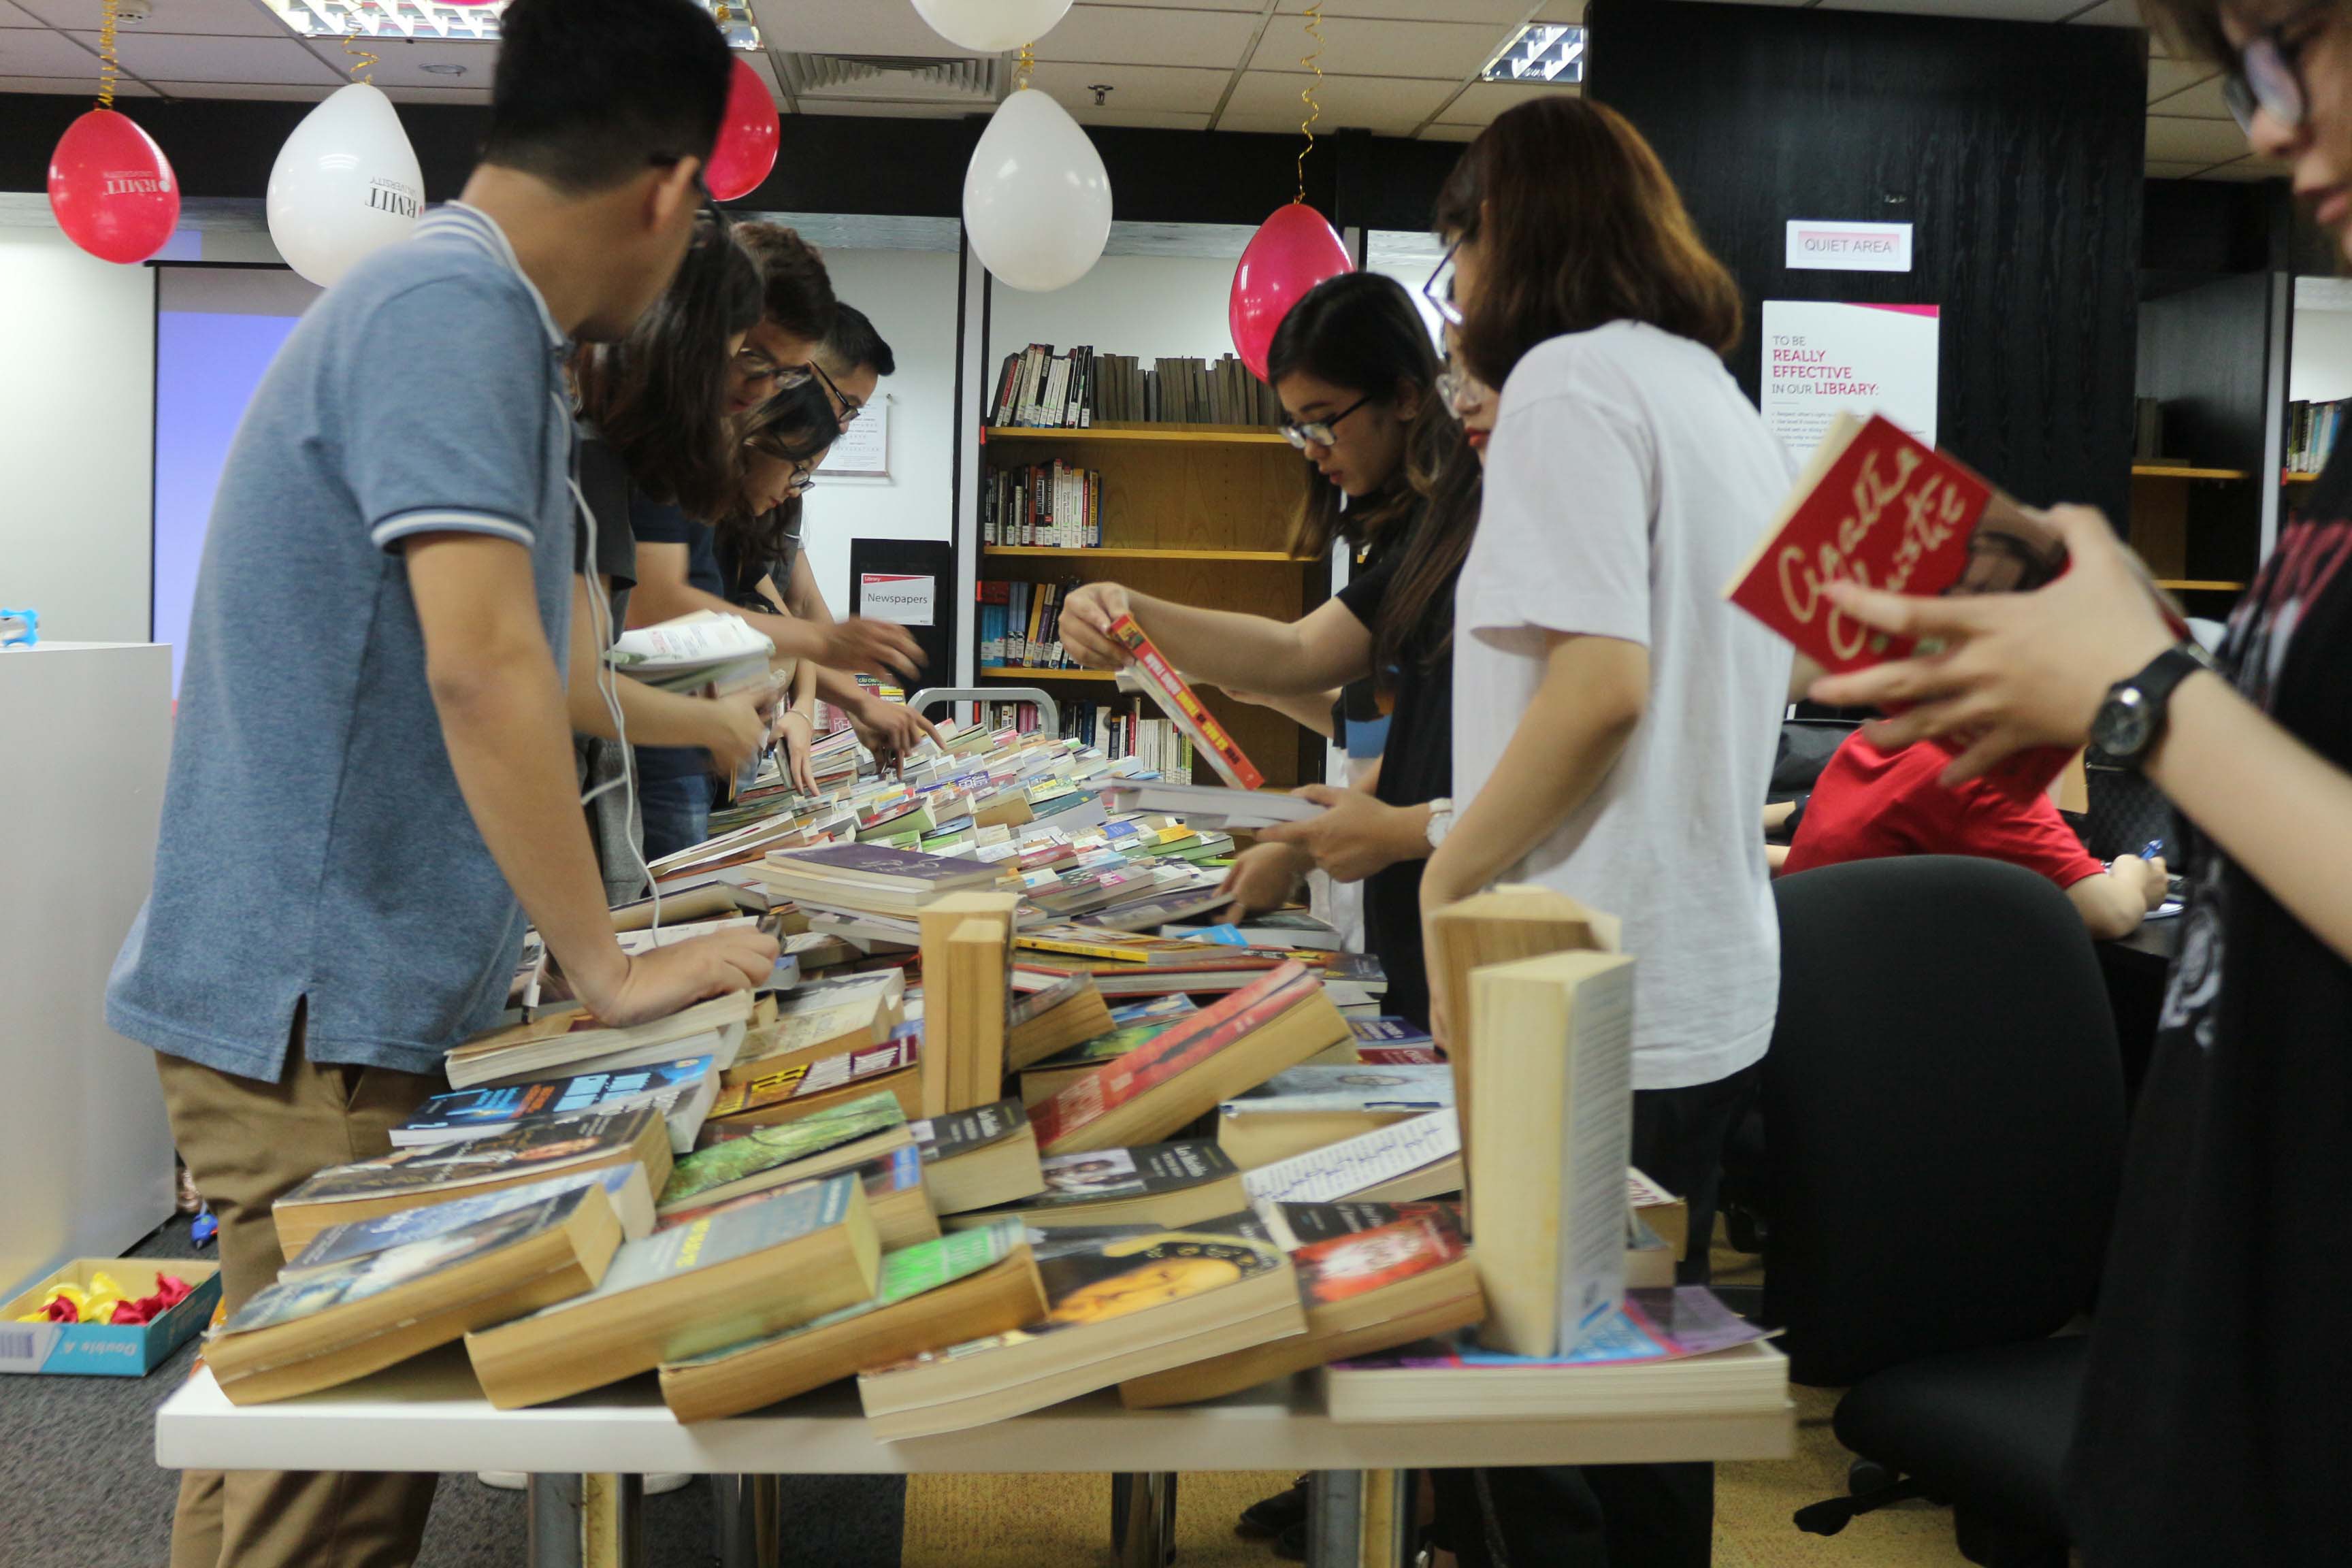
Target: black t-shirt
(652, 522)
(2219, 1407)
(742, 573)
(1417, 765)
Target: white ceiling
(1400, 68)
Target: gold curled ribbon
(1023, 67)
(1306, 94)
(107, 68)
(363, 60)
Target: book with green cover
(721, 1237)
(769, 1148)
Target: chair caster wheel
(1866, 1475)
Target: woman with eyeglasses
(2215, 1414)
(1614, 720)
(1357, 373)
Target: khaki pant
(246, 1142)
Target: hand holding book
(657, 983)
(2015, 669)
(1087, 612)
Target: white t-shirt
(1627, 481)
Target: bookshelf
(2191, 524)
(1197, 513)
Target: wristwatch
(2131, 720)
(1441, 820)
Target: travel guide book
(1177, 699)
(1122, 1302)
(961, 1287)
(681, 1089)
(1277, 1022)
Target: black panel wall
(2015, 150)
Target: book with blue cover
(682, 1090)
(623, 1185)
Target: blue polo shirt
(314, 843)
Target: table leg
(749, 1511)
(1357, 1519)
(586, 1522)
(1143, 1520)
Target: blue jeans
(677, 812)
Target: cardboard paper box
(101, 1349)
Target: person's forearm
(503, 719)
(1570, 737)
(655, 717)
(1224, 647)
(842, 690)
(1311, 708)
(805, 689)
(2283, 812)
(2108, 908)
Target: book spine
(1185, 706)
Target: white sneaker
(520, 1480)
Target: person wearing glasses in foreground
(1375, 429)
(371, 787)
(2215, 1420)
(1614, 720)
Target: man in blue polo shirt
(372, 775)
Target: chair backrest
(1943, 1113)
(1805, 748)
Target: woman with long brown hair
(1614, 720)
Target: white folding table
(586, 1455)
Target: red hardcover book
(1182, 1045)
(1177, 699)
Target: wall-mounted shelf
(2296, 479)
(1192, 434)
(1123, 553)
(1040, 672)
(2183, 472)
(2198, 585)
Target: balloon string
(1023, 67)
(364, 61)
(107, 67)
(1306, 94)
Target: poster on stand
(1821, 359)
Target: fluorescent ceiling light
(429, 19)
(1541, 52)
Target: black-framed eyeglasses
(1439, 290)
(850, 407)
(1318, 432)
(754, 368)
(803, 479)
(2269, 80)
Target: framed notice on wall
(863, 449)
(1821, 359)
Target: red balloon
(1290, 253)
(747, 137)
(112, 189)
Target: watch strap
(2154, 686)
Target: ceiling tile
(1562, 11)
(2174, 140)
(241, 17)
(2249, 168)
(2166, 77)
(1501, 13)
(10, 16)
(1481, 100)
(853, 27)
(1149, 89)
(439, 94)
(1268, 101)
(1252, 8)
(1450, 132)
(1994, 10)
(1145, 119)
(271, 91)
(2203, 102)
(883, 108)
(400, 63)
(81, 86)
(1356, 46)
(37, 51)
(188, 57)
(1143, 36)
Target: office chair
(1945, 1109)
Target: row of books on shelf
(2311, 430)
(1053, 504)
(1037, 388)
(1020, 624)
(1127, 732)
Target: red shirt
(1869, 803)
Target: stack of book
(1037, 388)
(2311, 433)
(705, 652)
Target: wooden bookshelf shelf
(2198, 585)
(1192, 434)
(1039, 672)
(1123, 553)
(2181, 471)
(2296, 479)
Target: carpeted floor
(78, 1489)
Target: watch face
(2121, 729)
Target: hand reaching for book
(657, 983)
(735, 732)
(890, 729)
(1264, 877)
(1087, 612)
(1358, 836)
(2016, 670)
(796, 734)
(870, 647)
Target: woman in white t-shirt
(1614, 717)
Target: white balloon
(992, 25)
(1036, 199)
(345, 184)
